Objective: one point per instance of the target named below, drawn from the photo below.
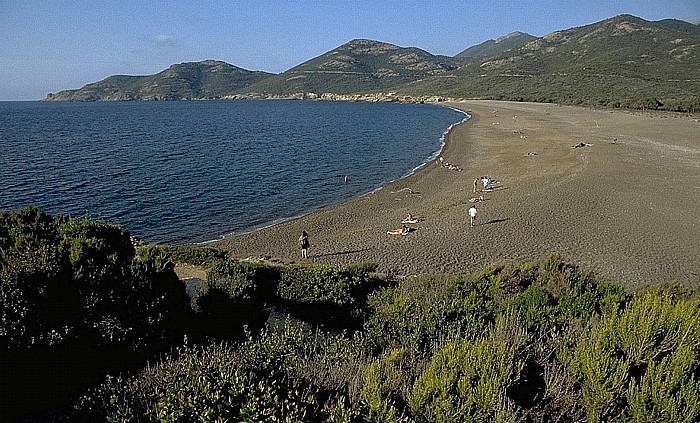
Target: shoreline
(433, 156)
(591, 205)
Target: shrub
(638, 356)
(537, 309)
(239, 280)
(467, 381)
(35, 304)
(196, 256)
(197, 385)
(386, 386)
(319, 283)
(75, 301)
(256, 380)
(420, 313)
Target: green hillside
(624, 61)
(185, 81)
(489, 48)
(358, 66)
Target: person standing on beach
(472, 215)
(304, 244)
(476, 185)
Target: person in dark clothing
(304, 244)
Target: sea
(190, 172)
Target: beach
(616, 192)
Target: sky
(52, 45)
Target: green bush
(386, 385)
(35, 305)
(467, 381)
(239, 280)
(206, 385)
(62, 278)
(421, 312)
(256, 380)
(639, 356)
(537, 341)
(196, 256)
(319, 283)
(537, 308)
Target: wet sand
(628, 209)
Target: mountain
(498, 46)
(358, 66)
(622, 61)
(185, 81)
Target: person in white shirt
(472, 215)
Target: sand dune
(626, 204)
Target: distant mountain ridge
(623, 61)
(498, 46)
(358, 66)
(208, 79)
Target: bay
(194, 171)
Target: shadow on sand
(339, 253)
(495, 221)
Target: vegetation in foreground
(86, 319)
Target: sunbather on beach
(450, 166)
(399, 231)
(476, 199)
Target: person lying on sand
(477, 199)
(409, 219)
(399, 231)
(450, 166)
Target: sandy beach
(626, 204)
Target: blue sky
(53, 45)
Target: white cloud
(164, 39)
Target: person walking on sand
(476, 185)
(304, 244)
(472, 215)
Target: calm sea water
(187, 172)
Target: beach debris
(531, 153)
(581, 145)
